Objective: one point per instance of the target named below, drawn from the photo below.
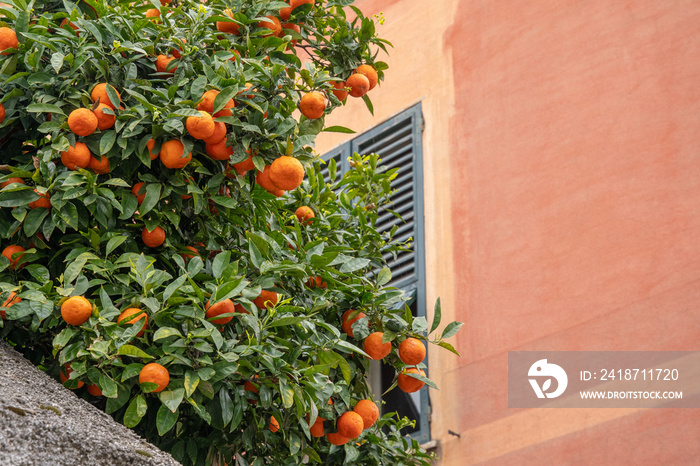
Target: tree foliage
(226, 236)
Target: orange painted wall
(562, 186)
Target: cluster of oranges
(349, 425)
(411, 351)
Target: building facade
(560, 176)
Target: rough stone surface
(43, 423)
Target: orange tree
(168, 239)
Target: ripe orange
(222, 307)
(187, 257)
(150, 144)
(200, 127)
(43, 201)
(336, 439)
(9, 251)
(218, 134)
(370, 73)
(249, 386)
(273, 24)
(228, 26)
(64, 375)
(101, 166)
(375, 348)
(94, 390)
(207, 104)
(77, 156)
(11, 300)
(71, 25)
(286, 173)
(347, 324)
(304, 215)
(340, 92)
(136, 190)
(162, 62)
(409, 384)
(10, 181)
(350, 424)
(82, 121)
(312, 105)
(316, 282)
(153, 13)
(165, 2)
(76, 310)
(368, 411)
(263, 179)
(266, 299)
(154, 238)
(2, 113)
(412, 351)
(100, 92)
(219, 150)
(358, 84)
(274, 425)
(246, 165)
(155, 373)
(317, 429)
(285, 13)
(293, 27)
(171, 154)
(122, 319)
(104, 120)
(8, 40)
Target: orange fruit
(350, 424)
(150, 144)
(187, 257)
(222, 307)
(312, 105)
(263, 179)
(122, 319)
(153, 13)
(165, 2)
(154, 238)
(77, 156)
(218, 134)
(368, 411)
(171, 154)
(274, 425)
(317, 429)
(285, 13)
(76, 310)
(10, 301)
(411, 351)
(104, 120)
(200, 127)
(358, 84)
(407, 383)
(43, 201)
(316, 282)
(9, 251)
(64, 375)
(286, 172)
(241, 310)
(136, 190)
(82, 121)
(162, 64)
(375, 348)
(293, 27)
(347, 324)
(246, 165)
(2, 113)
(101, 166)
(75, 28)
(266, 299)
(370, 73)
(100, 92)
(155, 373)
(273, 24)
(206, 104)
(228, 26)
(340, 92)
(8, 40)
(304, 215)
(10, 181)
(94, 390)
(336, 439)
(176, 52)
(219, 150)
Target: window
(398, 142)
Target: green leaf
(173, 287)
(166, 419)
(420, 324)
(219, 263)
(165, 332)
(44, 108)
(151, 199)
(114, 243)
(191, 382)
(172, 398)
(384, 276)
(107, 141)
(130, 350)
(354, 265)
(39, 272)
(338, 129)
(288, 320)
(427, 381)
(350, 347)
(437, 316)
(286, 393)
(449, 347)
(33, 220)
(451, 329)
(135, 411)
(108, 386)
(226, 405)
(199, 409)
